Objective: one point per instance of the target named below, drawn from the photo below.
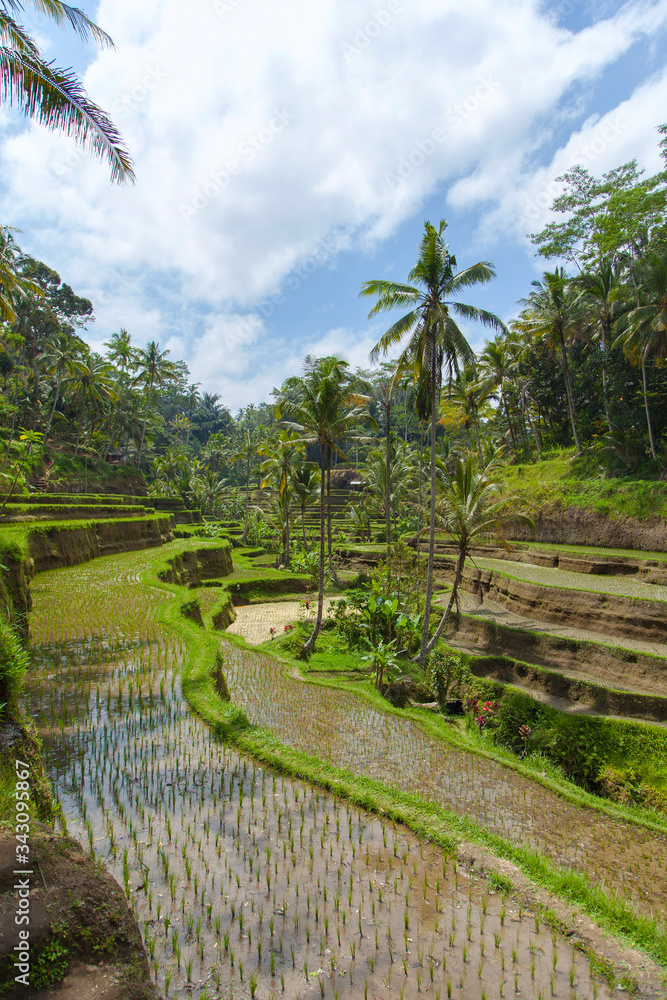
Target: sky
(286, 153)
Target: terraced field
(242, 899)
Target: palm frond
(63, 14)
(55, 98)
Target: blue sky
(346, 124)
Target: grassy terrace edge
(440, 825)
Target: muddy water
(245, 882)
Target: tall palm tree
(435, 341)
(471, 394)
(306, 484)
(120, 351)
(497, 361)
(282, 451)
(601, 292)
(154, 370)
(52, 96)
(323, 407)
(554, 312)
(642, 330)
(91, 380)
(59, 351)
(471, 509)
(13, 285)
(245, 452)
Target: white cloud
(258, 130)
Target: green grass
(559, 478)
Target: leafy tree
(282, 451)
(306, 486)
(435, 340)
(52, 96)
(91, 381)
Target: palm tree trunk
(509, 424)
(388, 486)
(332, 568)
(648, 412)
(247, 500)
(605, 379)
(568, 389)
(309, 645)
(78, 437)
(143, 428)
(477, 438)
(458, 576)
(532, 428)
(53, 409)
(423, 652)
(303, 526)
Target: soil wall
(189, 569)
(68, 546)
(609, 613)
(579, 526)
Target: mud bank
(613, 615)
(84, 939)
(190, 569)
(579, 526)
(610, 665)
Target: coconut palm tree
(120, 351)
(91, 380)
(245, 452)
(435, 341)
(154, 370)
(52, 96)
(282, 451)
(554, 311)
(498, 362)
(471, 394)
(642, 330)
(323, 408)
(471, 508)
(59, 350)
(601, 292)
(13, 285)
(306, 484)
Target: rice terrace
(333, 619)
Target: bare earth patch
(254, 621)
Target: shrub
(13, 666)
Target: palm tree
(168, 466)
(435, 340)
(471, 509)
(92, 380)
(59, 350)
(120, 351)
(306, 484)
(282, 451)
(13, 285)
(554, 311)
(497, 361)
(600, 291)
(52, 96)
(642, 330)
(323, 408)
(470, 394)
(245, 452)
(154, 370)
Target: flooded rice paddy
(249, 884)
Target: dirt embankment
(612, 615)
(190, 569)
(609, 665)
(83, 938)
(69, 546)
(580, 526)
